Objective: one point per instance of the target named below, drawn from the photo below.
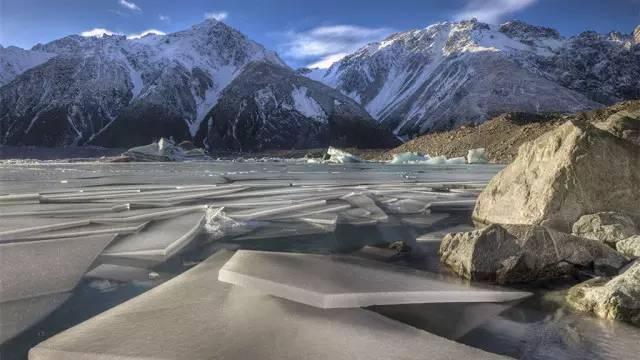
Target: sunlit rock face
(464, 72)
(563, 175)
(617, 298)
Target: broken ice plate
(158, 241)
(345, 282)
(193, 316)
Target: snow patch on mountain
(452, 73)
(306, 105)
(14, 61)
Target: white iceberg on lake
(408, 158)
(413, 158)
(477, 156)
(341, 157)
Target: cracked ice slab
(35, 268)
(159, 240)
(18, 315)
(193, 316)
(347, 282)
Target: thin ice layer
(18, 315)
(347, 282)
(159, 240)
(220, 321)
(35, 268)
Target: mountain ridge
(412, 80)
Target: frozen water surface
(220, 321)
(346, 282)
(57, 221)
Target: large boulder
(630, 246)
(624, 124)
(525, 253)
(617, 298)
(568, 172)
(609, 227)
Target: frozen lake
(274, 206)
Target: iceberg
(408, 158)
(341, 157)
(347, 282)
(193, 316)
(477, 156)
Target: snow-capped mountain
(115, 91)
(155, 86)
(459, 72)
(14, 61)
(270, 106)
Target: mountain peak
(522, 30)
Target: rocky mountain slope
(450, 74)
(14, 61)
(118, 92)
(503, 135)
(269, 106)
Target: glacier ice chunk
(477, 156)
(341, 157)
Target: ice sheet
(159, 240)
(18, 315)
(15, 227)
(121, 273)
(364, 202)
(346, 282)
(220, 321)
(34, 268)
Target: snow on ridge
(306, 105)
(14, 61)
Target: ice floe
(347, 282)
(220, 321)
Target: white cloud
(324, 45)
(492, 11)
(218, 15)
(98, 32)
(145, 33)
(327, 61)
(164, 18)
(129, 5)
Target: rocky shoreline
(558, 210)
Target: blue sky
(303, 32)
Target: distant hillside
(502, 135)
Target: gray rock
(629, 246)
(617, 298)
(525, 253)
(562, 175)
(624, 124)
(609, 227)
